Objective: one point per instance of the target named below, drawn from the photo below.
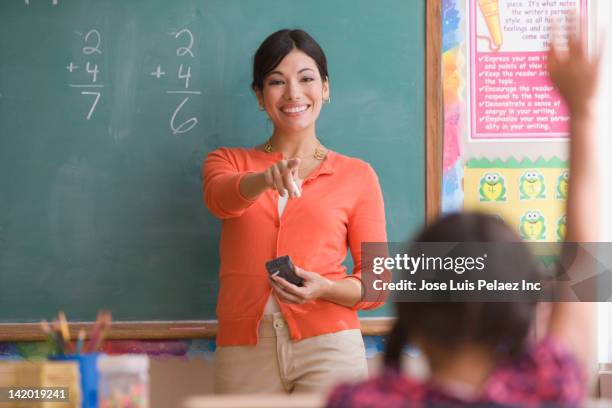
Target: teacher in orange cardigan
(291, 195)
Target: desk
(256, 401)
(297, 401)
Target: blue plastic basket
(89, 376)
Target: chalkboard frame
(177, 330)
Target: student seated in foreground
(479, 353)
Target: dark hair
(500, 326)
(276, 47)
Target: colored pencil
(57, 331)
(80, 341)
(104, 326)
(46, 328)
(65, 332)
(95, 332)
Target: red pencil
(95, 332)
(104, 326)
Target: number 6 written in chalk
(184, 127)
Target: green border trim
(512, 163)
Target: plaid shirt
(546, 374)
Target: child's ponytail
(395, 343)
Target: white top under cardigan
(272, 305)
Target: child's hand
(574, 73)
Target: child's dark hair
(500, 326)
(276, 47)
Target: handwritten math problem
(183, 54)
(91, 52)
(87, 78)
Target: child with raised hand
(479, 353)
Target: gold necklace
(319, 152)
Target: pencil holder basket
(88, 370)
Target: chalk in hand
(298, 193)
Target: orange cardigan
(341, 206)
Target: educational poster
(511, 96)
(529, 196)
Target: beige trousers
(279, 365)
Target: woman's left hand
(315, 286)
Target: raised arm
(576, 76)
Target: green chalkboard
(108, 107)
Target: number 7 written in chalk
(93, 106)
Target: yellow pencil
(64, 326)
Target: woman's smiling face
(293, 92)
